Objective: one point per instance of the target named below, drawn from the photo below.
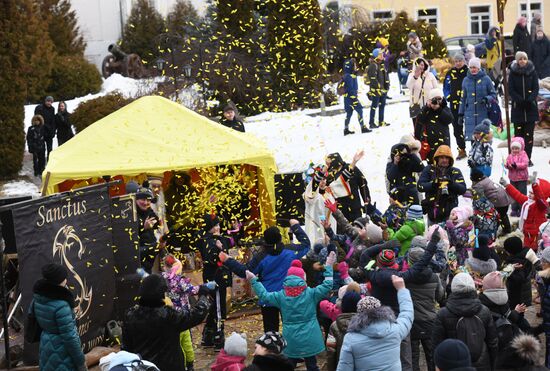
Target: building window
(480, 19)
(536, 7)
(382, 15)
(428, 15)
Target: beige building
(454, 17)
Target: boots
(207, 336)
(348, 131)
(384, 123)
(189, 367)
(219, 338)
(373, 126)
(365, 129)
(461, 154)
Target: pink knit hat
(493, 280)
(296, 270)
(463, 213)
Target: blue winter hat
(482, 128)
(376, 53)
(349, 302)
(414, 212)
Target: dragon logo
(64, 240)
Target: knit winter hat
(459, 57)
(513, 245)
(368, 303)
(361, 222)
(546, 255)
(54, 273)
(152, 288)
(235, 345)
(353, 286)
(474, 62)
(452, 354)
(463, 213)
(349, 302)
(415, 254)
(545, 228)
(476, 175)
(463, 282)
(272, 341)
(296, 269)
(521, 55)
(132, 187)
(374, 234)
(414, 212)
(436, 93)
(482, 252)
(386, 258)
(49, 98)
(419, 241)
(516, 144)
(272, 236)
(482, 128)
(493, 280)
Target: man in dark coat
(452, 88)
(541, 54)
(379, 84)
(521, 38)
(523, 85)
(435, 118)
(63, 124)
(518, 284)
(401, 175)
(351, 101)
(152, 329)
(148, 223)
(464, 305)
(442, 184)
(230, 120)
(47, 111)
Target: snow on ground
(19, 188)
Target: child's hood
(37, 120)
(294, 286)
(224, 360)
(520, 141)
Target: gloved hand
(331, 259)
(503, 182)
(514, 165)
(332, 206)
(471, 163)
(484, 100)
(436, 237)
(343, 268)
(249, 275)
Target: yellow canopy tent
(152, 135)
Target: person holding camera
(435, 119)
(442, 183)
(401, 174)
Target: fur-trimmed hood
(480, 266)
(37, 120)
(375, 323)
(527, 70)
(51, 291)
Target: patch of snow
(19, 188)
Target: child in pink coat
(517, 164)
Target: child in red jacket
(533, 210)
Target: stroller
(403, 69)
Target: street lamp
(187, 70)
(160, 64)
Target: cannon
(117, 61)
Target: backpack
(505, 329)
(341, 87)
(471, 331)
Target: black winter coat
(454, 78)
(426, 290)
(518, 283)
(401, 177)
(270, 362)
(63, 127)
(523, 85)
(541, 57)
(147, 236)
(437, 205)
(351, 206)
(467, 305)
(436, 126)
(35, 139)
(233, 124)
(153, 331)
(521, 40)
(213, 270)
(48, 113)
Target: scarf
(524, 212)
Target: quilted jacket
(60, 348)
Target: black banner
(72, 230)
(126, 253)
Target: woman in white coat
(420, 82)
(315, 195)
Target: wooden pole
(501, 4)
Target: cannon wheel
(134, 66)
(106, 65)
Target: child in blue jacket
(481, 153)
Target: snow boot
(461, 154)
(348, 132)
(365, 130)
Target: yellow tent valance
(152, 135)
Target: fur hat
(474, 62)
(272, 236)
(235, 345)
(386, 258)
(413, 144)
(462, 282)
(527, 348)
(368, 303)
(415, 253)
(435, 93)
(152, 289)
(272, 341)
(492, 281)
(349, 302)
(513, 245)
(296, 269)
(452, 354)
(482, 252)
(415, 212)
(54, 273)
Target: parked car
(458, 44)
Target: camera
(445, 190)
(436, 101)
